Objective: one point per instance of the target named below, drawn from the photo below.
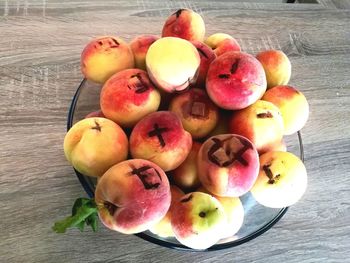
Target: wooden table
(40, 45)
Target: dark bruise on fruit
(234, 66)
(225, 157)
(139, 86)
(110, 207)
(186, 199)
(224, 76)
(97, 126)
(264, 115)
(178, 12)
(202, 214)
(202, 52)
(147, 175)
(198, 109)
(115, 41)
(269, 174)
(158, 132)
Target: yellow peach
(104, 56)
(172, 63)
(292, 104)
(277, 66)
(282, 180)
(93, 145)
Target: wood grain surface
(40, 45)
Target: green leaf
(78, 203)
(84, 211)
(92, 221)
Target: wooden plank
(40, 45)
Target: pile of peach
(186, 127)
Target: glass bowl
(257, 218)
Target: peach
(261, 123)
(207, 56)
(293, 106)
(139, 47)
(235, 80)
(163, 227)
(234, 212)
(93, 114)
(160, 138)
(132, 196)
(185, 176)
(172, 63)
(228, 165)
(277, 66)
(280, 146)
(282, 180)
(198, 114)
(198, 220)
(128, 96)
(93, 145)
(104, 56)
(186, 24)
(222, 43)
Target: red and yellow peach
(105, 56)
(234, 212)
(277, 66)
(197, 113)
(235, 80)
(128, 96)
(93, 145)
(160, 138)
(222, 43)
(198, 220)
(139, 47)
(292, 104)
(228, 165)
(207, 56)
(261, 123)
(186, 24)
(186, 176)
(163, 227)
(132, 196)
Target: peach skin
(261, 123)
(93, 145)
(104, 56)
(186, 176)
(228, 165)
(186, 24)
(132, 196)
(292, 104)
(235, 80)
(163, 227)
(277, 66)
(139, 47)
(198, 220)
(207, 56)
(198, 114)
(128, 96)
(172, 64)
(222, 43)
(234, 212)
(160, 138)
(282, 180)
